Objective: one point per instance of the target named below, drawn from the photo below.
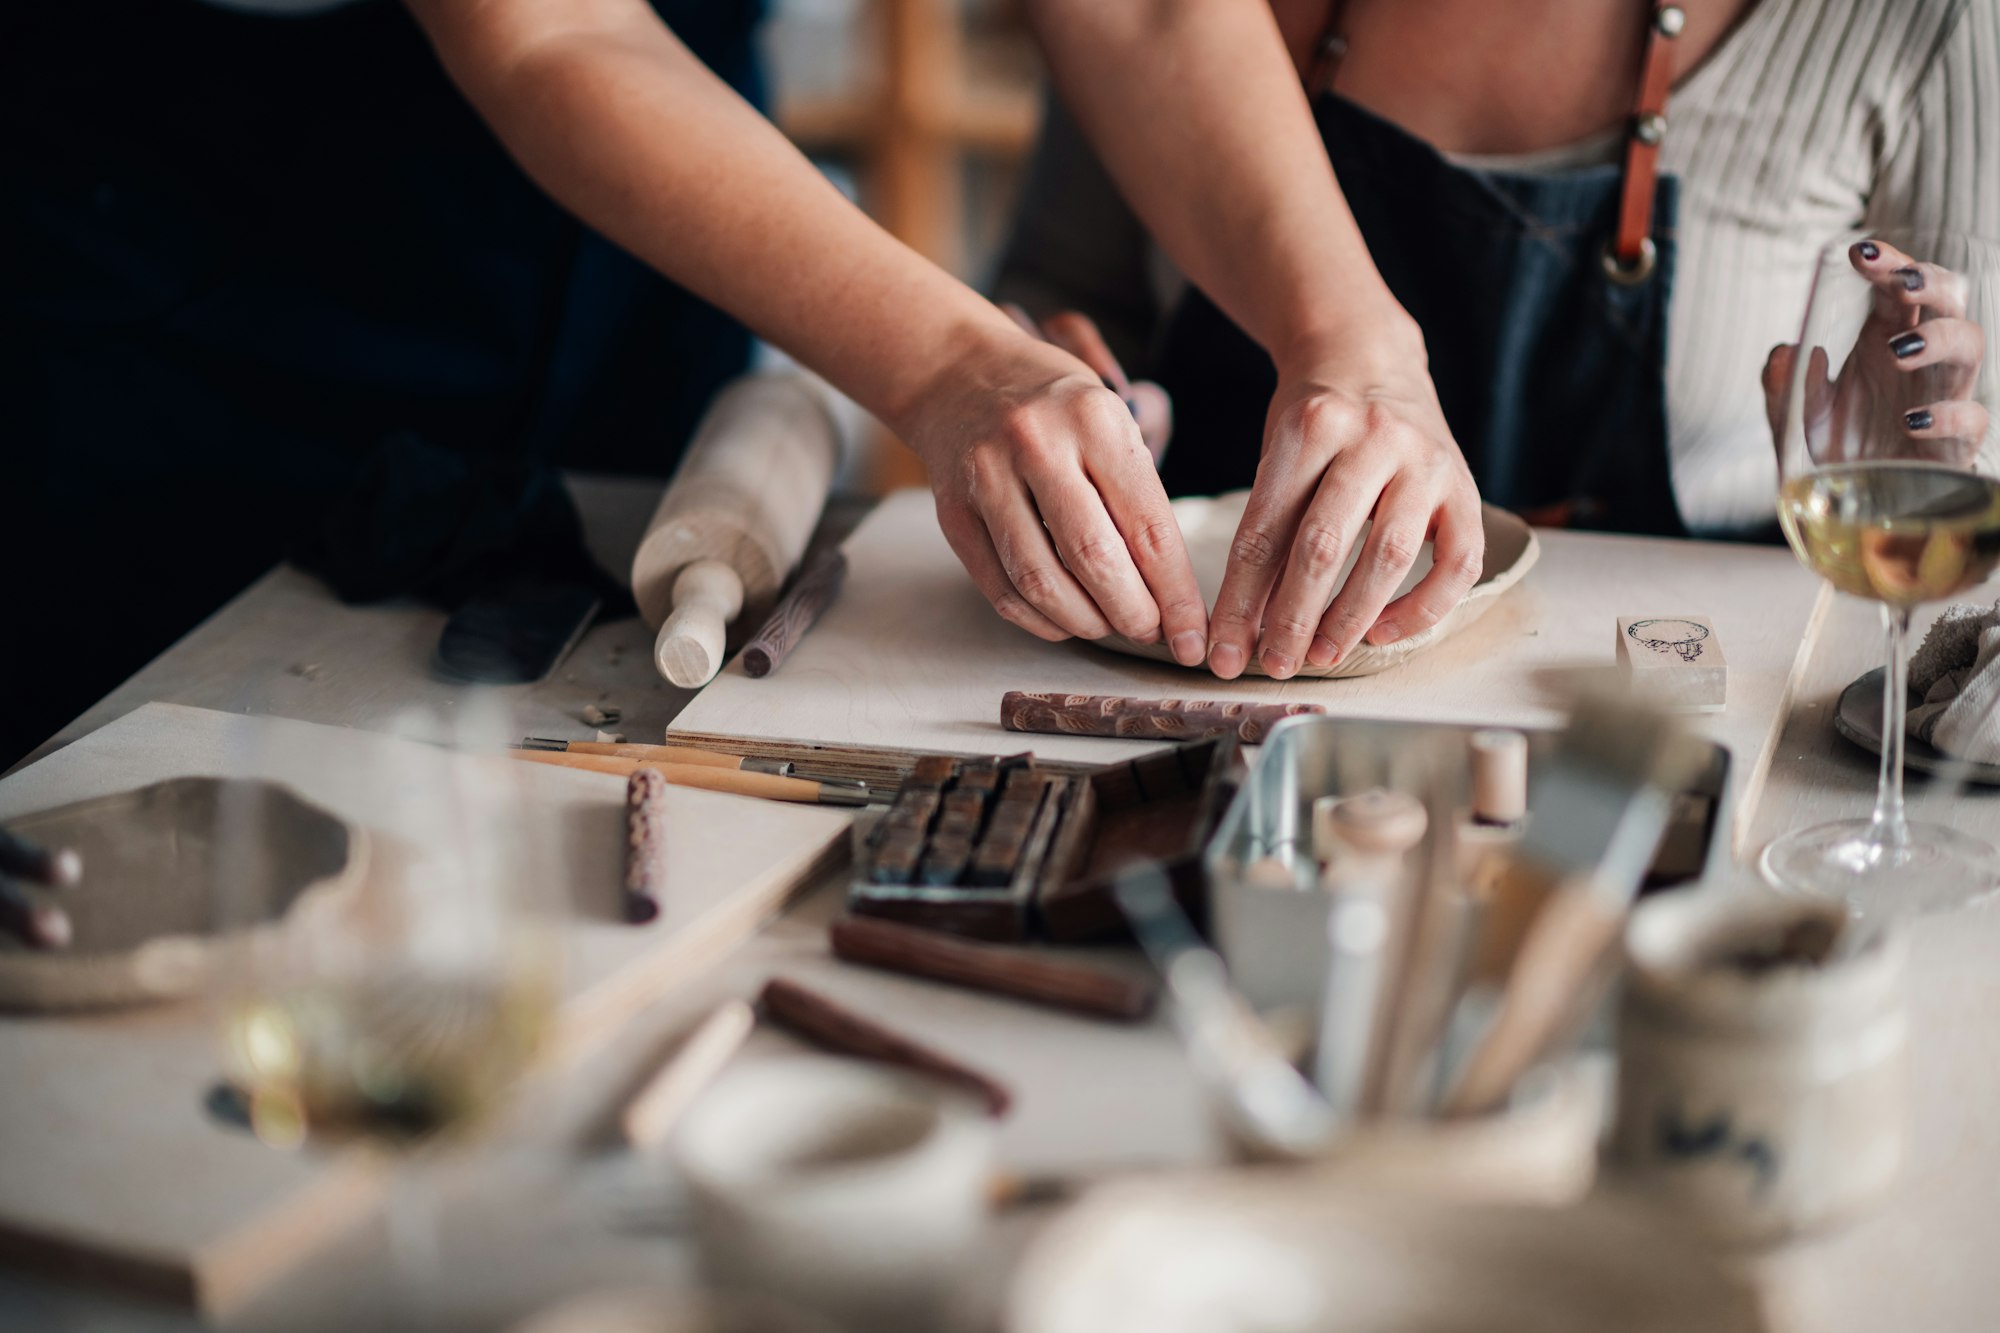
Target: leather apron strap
(1630, 255)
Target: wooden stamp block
(1674, 660)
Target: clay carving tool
(1269, 1104)
(1601, 803)
(813, 591)
(768, 786)
(694, 1062)
(659, 754)
(1373, 832)
(940, 957)
(1142, 719)
(819, 1020)
(735, 519)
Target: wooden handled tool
(769, 786)
(940, 957)
(820, 1020)
(1600, 805)
(735, 518)
(659, 754)
(696, 1059)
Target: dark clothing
(1551, 375)
(269, 286)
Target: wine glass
(1886, 426)
(394, 1004)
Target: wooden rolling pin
(735, 519)
(737, 782)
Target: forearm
(618, 121)
(1196, 109)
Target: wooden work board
(111, 1167)
(912, 658)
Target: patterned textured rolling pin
(814, 590)
(1143, 719)
(645, 844)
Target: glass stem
(1890, 832)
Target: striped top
(1811, 119)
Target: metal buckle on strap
(1632, 272)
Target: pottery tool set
(1445, 900)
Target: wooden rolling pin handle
(708, 594)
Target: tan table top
(1090, 1096)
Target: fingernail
(1278, 666)
(1388, 631)
(1870, 250)
(1132, 406)
(1225, 660)
(1920, 419)
(1906, 345)
(1188, 647)
(1913, 280)
(1322, 651)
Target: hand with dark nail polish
(1919, 419)
(1907, 345)
(1913, 279)
(1870, 250)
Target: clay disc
(146, 915)
(1209, 524)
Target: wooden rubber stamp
(1674, 662)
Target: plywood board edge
(1752, 790)
(584, 1026)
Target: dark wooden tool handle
(817, 585)
(1151, 719)
(928, 953)
(820, 1020)
(645, 844)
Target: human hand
(1913, 368)
(1076, 333)
(1050, 498)
(1349, 438)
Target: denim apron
(269, 286)
(1551, 373)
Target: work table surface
(1092, 1098)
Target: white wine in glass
(402, 1007)
(1887, 490)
